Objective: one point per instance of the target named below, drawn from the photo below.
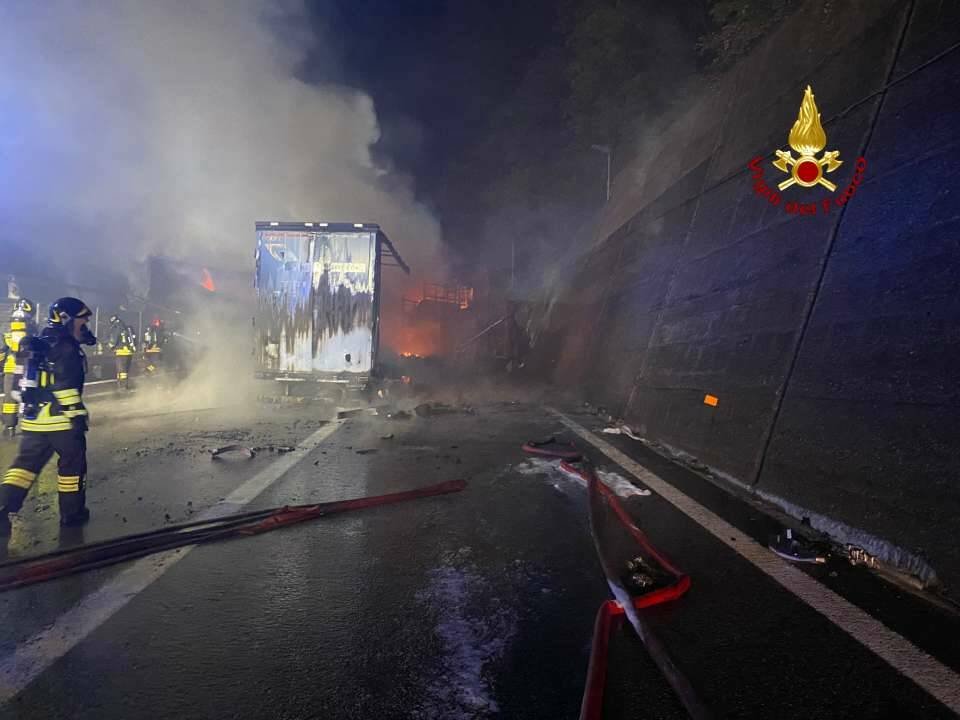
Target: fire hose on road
(27, 571)
(640, 576)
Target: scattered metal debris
(342, 414)
(249, 452)
(859, 556)
(621, 430)
(797, 549)
(274, 448)
(437, 408)
(367, 451)
(387, 437)
(641, 576)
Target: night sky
(436, 70)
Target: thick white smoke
(137, 127)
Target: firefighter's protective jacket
(121, 339)
(61, 383)
(154, 338)
(11, 344)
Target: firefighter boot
(75, 519)
(73, 509)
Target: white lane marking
(926, 671)
(35, 655)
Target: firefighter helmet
(65, 309)
(23, 306)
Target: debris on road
(355, 412)
(249, 452)
(620, 485)
(641, 576)
(621, 430)
(859, 556)
(438, 408)
(552, 448)
(797, 549)
(367, 451)
(387, 437)
(274, 449)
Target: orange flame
(208, 281)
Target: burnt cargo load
(319, 288)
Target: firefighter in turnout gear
(154, 338)
(123, 342)
(21, 325)
(54, 417)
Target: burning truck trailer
(319, 288)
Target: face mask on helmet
(87, 337)
(67, 309)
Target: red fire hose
(681, 583)
(27, 571)
(609, 619)
(552, 449)
(611, 613)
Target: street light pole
(605, 149)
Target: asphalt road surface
(474, 605)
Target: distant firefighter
(21, 325)
(122, 340)
(154, 340)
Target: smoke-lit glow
(136, 128)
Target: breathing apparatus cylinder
(33, 356)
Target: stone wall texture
(832, 340)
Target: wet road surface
(474, 605)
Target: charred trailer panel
(318, 288)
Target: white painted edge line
(33, 656)
(926, 671)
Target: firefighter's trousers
(11, 407)
(123, 370)
(36, 449)
(154, 358)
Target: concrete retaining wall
(831, 341)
